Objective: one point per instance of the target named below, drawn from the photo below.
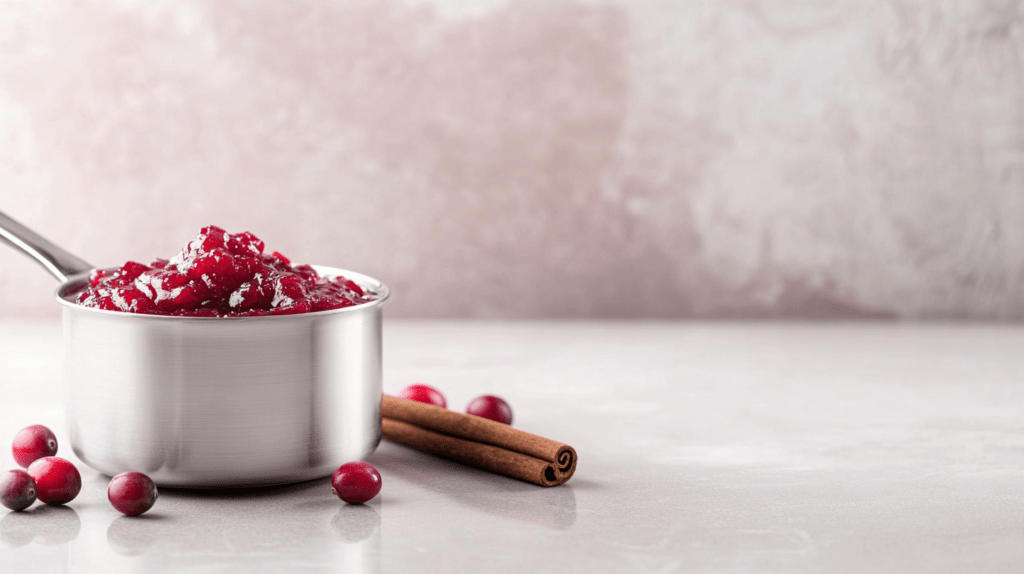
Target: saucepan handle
(58, 262)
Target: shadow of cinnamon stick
(553, 507)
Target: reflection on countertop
(270, 528)
(702, 447)
(42, 524)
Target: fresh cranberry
(355, 482)
(491, 407)
(17, 489)
(57, 480)
(131, 493)
(424, 394)
(33, 442)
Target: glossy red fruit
(423, 394)
(17, 489)
(218, 274)
(491, 407)
(57, 480)
(32, 443)
(131, 493)
(356, 482)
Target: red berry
(33, 443)
(245, 243)
(96, 276)
(57, 480)
(130, 271)
(491, 407)
(424, 394)
(355, 482)
(220, 274)
(17, 489)
(131, 493)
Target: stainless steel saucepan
(216, 402)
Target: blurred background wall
(548, 158)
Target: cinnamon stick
(477, 441)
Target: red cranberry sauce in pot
(219, 274)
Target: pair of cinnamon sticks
(477, 441)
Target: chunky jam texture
(219, 274)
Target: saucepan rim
(369, 284)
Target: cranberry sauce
(219, 274)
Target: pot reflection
(256, 529)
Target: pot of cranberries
(222, 366)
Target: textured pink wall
(536, 158)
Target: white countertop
(733, 447)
